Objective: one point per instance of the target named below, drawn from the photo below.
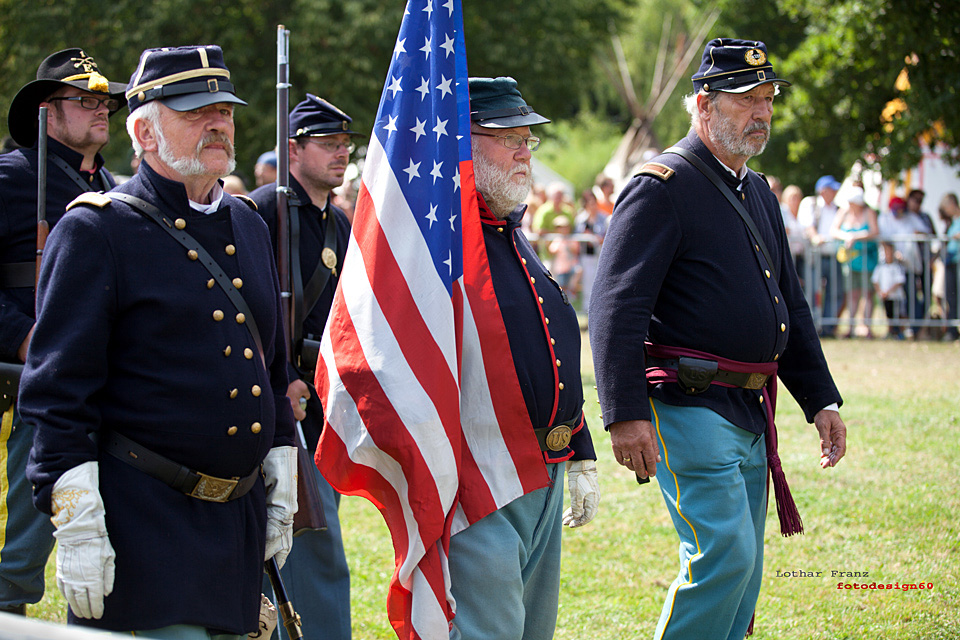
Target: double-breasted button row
(255, 428)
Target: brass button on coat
(230, 249)
(241, 318)
(192, 254)
(255, 390)
(248, 353)
(255, 427)
(228, 350)
(237, 282)
(210, 283)
(560, 386)
(232, 431)
(180, 223)
(558, 362)
(218, 315)
(233, 393)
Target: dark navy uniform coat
(128, 339)
(542, 329)
(18, 226)
(313, 227)
(680, 269)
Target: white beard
(500, 190)
(193, 166)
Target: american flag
(424, 414)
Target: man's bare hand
(635, 446)
(295, 391)
(22, 351)
(833, 437)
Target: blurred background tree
(871, 77)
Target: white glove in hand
(280, 476)
(268, 620)
(584, 492)
(85, 557)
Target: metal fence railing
(838, 283)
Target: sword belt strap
(192, 483)
(188, 241)
(75, 176)
(709, 173)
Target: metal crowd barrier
(829, 283)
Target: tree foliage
(339, 49)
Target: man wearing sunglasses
(320, 145)
(79, 100)
(505, 568)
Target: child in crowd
(888, 280)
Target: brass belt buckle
(213, 489)
(756, 381)
(558, 438)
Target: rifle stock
(43, 227)
(309, 514)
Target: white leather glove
(280, 477)
(268, 620)
(85, 557)
(584, 492)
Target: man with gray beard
(696, 310)
(159, 334)
(505, 568)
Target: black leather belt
(557, 437)
(696, 374)
(193, 483)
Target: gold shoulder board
(98, 200)
(248, 200)
(656, 170)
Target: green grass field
(890, 508)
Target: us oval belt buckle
(558, 438)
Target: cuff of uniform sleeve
(619, 414)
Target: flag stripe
(424, 413)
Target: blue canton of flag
(417, 125)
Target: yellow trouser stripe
(6, 428)
(666, 462)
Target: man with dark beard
(696, 263)
(505, 568)
(158, 333)
(79, 100)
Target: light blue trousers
(316, 576)
(505, 568)
(713, 476)
(184, 632)
(26, 534)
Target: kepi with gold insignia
(734, 66)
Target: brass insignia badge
(329, 258)
(755, 57)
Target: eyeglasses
(333, 146)
(92, 104)
(513, 140)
